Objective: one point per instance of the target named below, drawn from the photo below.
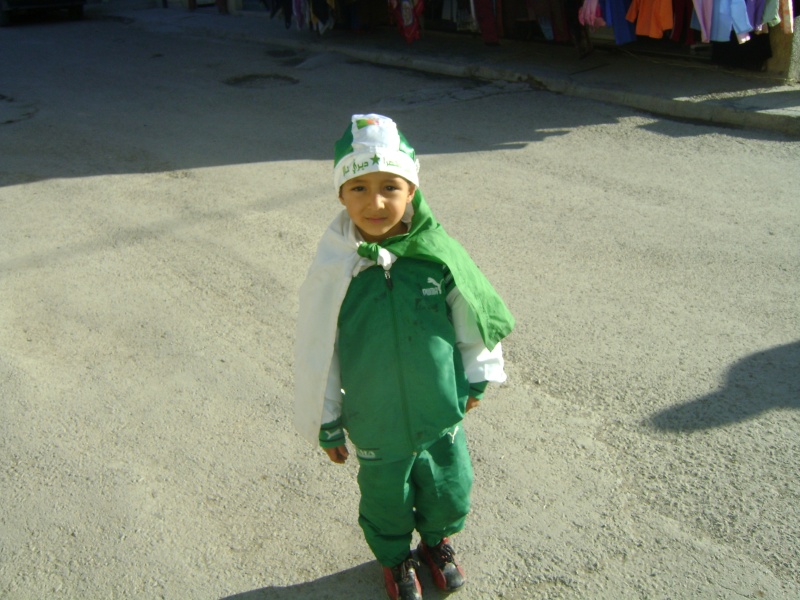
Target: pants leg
(386, 509)
(429, 492)
(443, 479)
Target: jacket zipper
(399, 358)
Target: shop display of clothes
(680, 21)
(677, 20)
(733, 30)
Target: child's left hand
(472, 403)
(338, 454)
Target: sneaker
(441, 559)
(401, 581)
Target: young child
(398, 335)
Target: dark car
(9, 7)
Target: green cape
(427, 240)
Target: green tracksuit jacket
(402, 375)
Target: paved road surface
(161, 198)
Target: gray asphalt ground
(162, 190)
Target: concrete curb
(692, 110)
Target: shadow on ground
(141, 98)
(758, 383)
(363, 581)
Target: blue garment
(614, 12)
(755, 11)
(729, 15)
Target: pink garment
(590, 15)
(704, 9)
(302, 14)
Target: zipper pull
(388, 278)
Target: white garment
(321, 296)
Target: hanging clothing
(755, 12)
(322, 17)
(590, 14)
(703, 18)
(730, 15)
(777, 12)
(614, 14)
(652, 17)
(682, 30)
(406, 15)
(487, 22)
(772, 15)
(301, 11)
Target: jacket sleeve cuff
(477, 389)
(331, 434)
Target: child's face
(376, 202)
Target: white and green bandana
(372, 143)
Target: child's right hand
(338, 454)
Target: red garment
(486, 21)
(682, 31)
(406, 14)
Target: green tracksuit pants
(429, 492)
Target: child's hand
(472, 403)
(338, 454)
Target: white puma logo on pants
(452, 435)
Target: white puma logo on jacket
(434, 291)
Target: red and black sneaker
(447, 573)
(401, 581)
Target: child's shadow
(760, 382)
(364, 582)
